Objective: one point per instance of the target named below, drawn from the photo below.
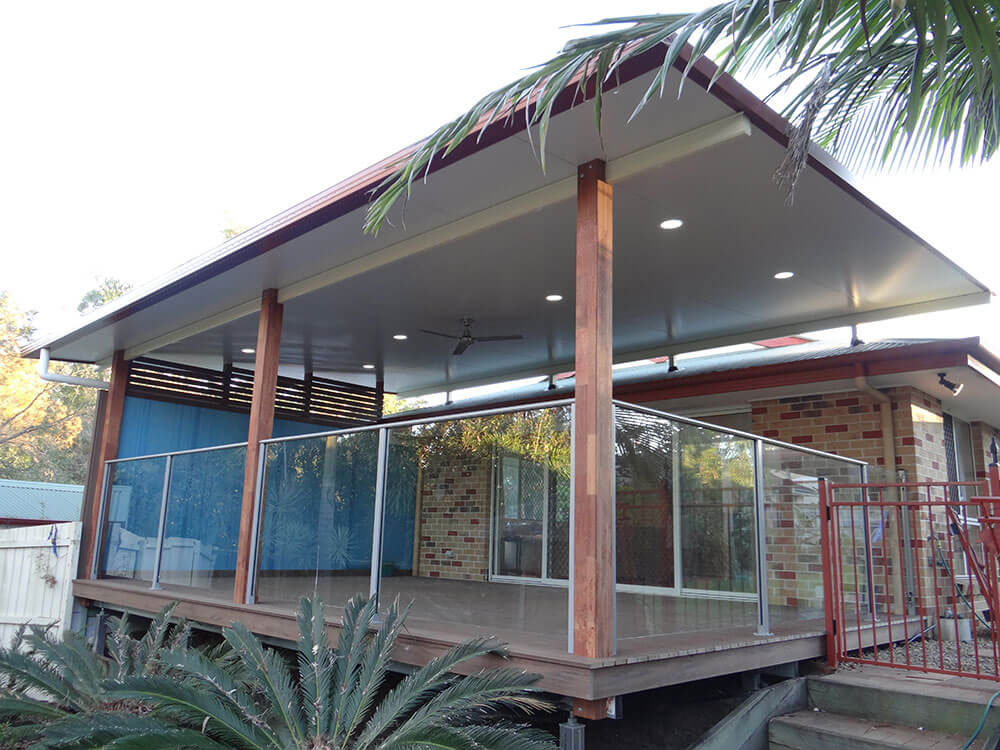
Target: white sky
(133, 133)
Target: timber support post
(265, 381)
(110, 432)
(594, 511)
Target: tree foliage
(873, 79)
(45, 428)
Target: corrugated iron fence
(910, 575)
(37, 565)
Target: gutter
(885, 414)
(52, 377)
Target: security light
(368, 367)
(553, 298)
(399, 336)
(955, 388)
(248, 350)
(671, 224)
(783, 275)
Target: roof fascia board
(711, 343)
(986, 371)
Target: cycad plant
(331, 697)
(45, 682)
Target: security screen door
(531, 521)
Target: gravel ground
(937, 651)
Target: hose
(947, 568)
(982, 721)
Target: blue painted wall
(208, 506)
(159, 427)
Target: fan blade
(435, 333)
(462, 346)
(515, 337)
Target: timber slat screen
(319, 400)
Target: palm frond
(271, 675)
(926, 82)
(197, 708)
(420, 685)
(121, 731)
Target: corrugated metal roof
(688, 366)
(40, 501)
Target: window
(961, 468)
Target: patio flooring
(662, 640)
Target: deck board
(532, 620)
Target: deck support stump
(265, 381)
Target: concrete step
(821, 730)
(890, 696)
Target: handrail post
(102, 513)
(161, 531)
(763, 610)
(251, 597)
(994, 477)
(380, 486)
(826, 550)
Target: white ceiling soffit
(491, 235)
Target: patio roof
(491, 234)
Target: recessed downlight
(399, 336)
(368, 366)
(553, 298)
(671, 224)
(784, 275)
(248, 350)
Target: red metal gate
(910, 575)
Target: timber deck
(710, 638)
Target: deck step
(938, 703)
(822, 730)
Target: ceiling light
(553, 298)
(671, 224)
(368, 367)
(783, 275)
(955, 388)
(399, 336)
(248, 350)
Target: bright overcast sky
(134, 132)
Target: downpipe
(885, 415)
(53, 377)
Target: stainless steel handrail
(177, 453)
(738, 433)
(426, 420)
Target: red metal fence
(910, 575)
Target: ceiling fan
(466, 339)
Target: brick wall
(455, 519)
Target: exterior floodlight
(955, 388)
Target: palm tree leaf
(420, 685)
(23, 705)
(195, 707)
(856, 36)
(271, 674)
(315, 664)
(123, 730)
